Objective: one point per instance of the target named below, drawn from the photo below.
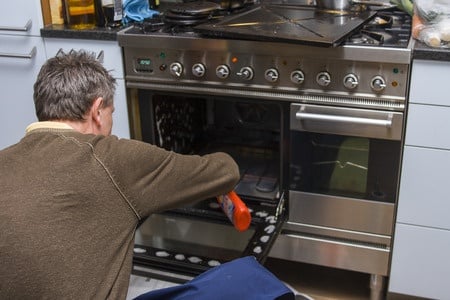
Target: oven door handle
(304, 116)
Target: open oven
(184, 242)
(316, 126)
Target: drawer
(429, 82)
(329, 252)
(428, 126)
(112, 53)
(424, 194)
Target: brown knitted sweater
(70, 203)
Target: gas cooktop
(304, 24)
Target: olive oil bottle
(80, 14)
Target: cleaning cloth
(137, 11)
(242, 278)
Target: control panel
(290, 73)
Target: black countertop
(62, 31)
(420, 50)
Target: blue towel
(137, 11)
(242, 278)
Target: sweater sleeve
(152, 179)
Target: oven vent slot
(336, 240)
(354, 102)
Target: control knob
(245, 73)
(297, 77)
(176, 69)
(271, 75)
(323, 79)
(378, 83)
(223, 71)
(351, 81)
(198, 70)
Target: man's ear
(96, 111)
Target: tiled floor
(140, 285)
(314, 282)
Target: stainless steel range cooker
(311, 106)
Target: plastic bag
(431, 22)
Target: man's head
(75, 88)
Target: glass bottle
(80, 14)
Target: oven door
(177, 245)
(180, 244)
(345, 152)
(343, 182)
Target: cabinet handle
(101, 56)
(19, 55)
(25, 28)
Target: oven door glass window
(191, 236)
(355, 167)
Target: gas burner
(184, 20)
(380, 21)
(365, 38)
(196, 8)
(387, 29)
(183, 29)
(150, 25)
(190, 13)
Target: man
(72, 194)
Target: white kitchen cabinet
(21, 55)
(429, 126)
(421, 262)
(420, 258)
(21, 17)
(112, 60)
(424, 197)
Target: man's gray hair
(68, 84)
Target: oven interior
(194, 238)
(248, 130)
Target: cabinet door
(428, 126)
(429, 82)
(17, 76)
(423, 197)
(420, 262)
(21, 17)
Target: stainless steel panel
(342, 213)
(351, 53)
(161, 52)
(331, 253)
(266, 93)
(379, 240)
(347, 121)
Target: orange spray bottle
(236, 210)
